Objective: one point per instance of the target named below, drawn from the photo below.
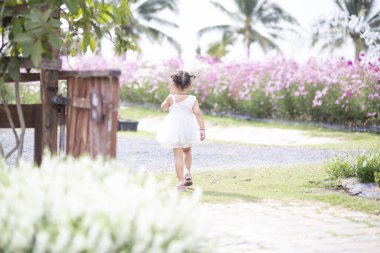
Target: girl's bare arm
(199, 117)
(167, 103)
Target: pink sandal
(181, 186)
(188, 180)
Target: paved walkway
(272, 226)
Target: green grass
(349, 140)
(287, 183)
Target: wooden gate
(92, 112)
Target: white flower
(86, 205)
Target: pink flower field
(334, 90)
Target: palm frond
(155, 6)
(374, 18)
(247, 7)
(146, 19)
(264, 42)
(232, 15)
(217, 28)
(332, 45)
(155, 35)
(340, 4)
(162, 22)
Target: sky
(196, 14)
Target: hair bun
(182, 79)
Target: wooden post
(38, 136)
(49, 89)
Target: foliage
(341, 167)
(90, 205)
(146, 21)
(364, 166)
(377, 178)
(249, 17)
(334, 90)
(340, 29)
(367, 165)
(31, 29)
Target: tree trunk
(359, 47)
(248, 50)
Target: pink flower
(362, 54)
(349, 62)
(371, 114)
(348, 93)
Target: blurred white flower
(90, 205)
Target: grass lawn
(286, 183)
(350, 140)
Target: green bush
(377, 178)
(367, 165)
(364, 166)
(341, 167)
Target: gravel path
(144, 153)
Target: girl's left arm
(199, 117)
(167, 103)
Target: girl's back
(182, 104)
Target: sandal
(188, 180)
(181, 186)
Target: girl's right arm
(167, 103)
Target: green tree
(364, 11)
(31, 29)
(220, 48)
(146, 21)
(256, 21)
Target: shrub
(364, 166)
(92, 206)
(377, 178)
(367, 165)
(341, 167)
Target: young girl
(182, 127)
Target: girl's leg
(178, 162)
(187, 157)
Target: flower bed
(92, 206)
(335, 90)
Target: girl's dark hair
(182, 79)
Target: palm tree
(338, 34)
(220, 48)
(146, 21)
(250, 17)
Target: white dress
(180, 127)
